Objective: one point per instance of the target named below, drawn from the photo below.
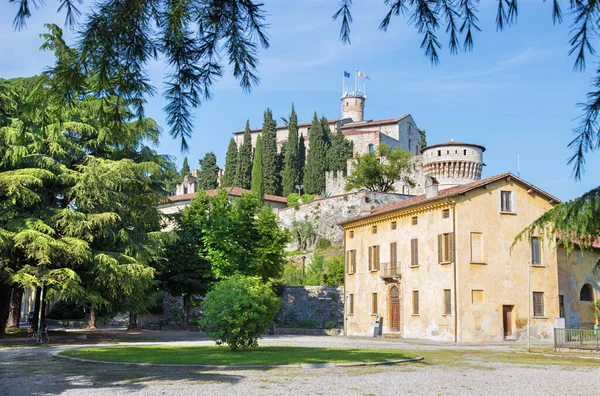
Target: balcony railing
(389, 270)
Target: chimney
(431, 187)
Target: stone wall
(322, 304)
(325, 214)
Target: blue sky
(516, 93)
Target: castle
(450, 164)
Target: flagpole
(355, 73)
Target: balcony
(389, 270)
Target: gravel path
(451, 370)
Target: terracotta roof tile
(450, 192)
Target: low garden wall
(311, 307)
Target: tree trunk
(14, 315)
(4, 306)
(133, 321)
(186, 312)
(92, 319)
(36, 308)
(43, 304)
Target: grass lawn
(223, 356)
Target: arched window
(586, 293)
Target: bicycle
(38, 337)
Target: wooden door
(507, 320)
(394, 309)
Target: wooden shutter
(447, 302)
(376, 266)
(393, 254)
(353, 257)
(451, 247)
(440, 247)
(370, 258)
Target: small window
(308, 131)
(371, 148)
(445, 247)
(374, 303)
(374, 229)
(409, 144)
(586, 293)
(394, 225)
(447, 302)
(477, 297)
(476, 247)
(415, 220)
(506, 201)
(374, 258)
(351, 234)
(445, 213)
(414, 252)
(415, 302)
(536, 255)
(465, 152)
(439, 153)
(351, 304)
(351, 261)
(538, 304)
(561, 306)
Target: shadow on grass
(34, 372)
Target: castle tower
(353, 105)
(453, 163)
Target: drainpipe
(454, 268)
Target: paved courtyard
(502, 369)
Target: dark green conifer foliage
(290, 176)
(301, 163)
(209, 172)
(185, 168)
(258, 183)
(244, 174)
(340, 151)
(326, 131)
(271, 176)
(231, 165)
(316, 160)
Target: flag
(367, 78)
(346, 74)
(359, 73)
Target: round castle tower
(353, 105)
(453, 163)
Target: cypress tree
(258, 184)
(244, 174)
(208, 177)
(340, 151)
(231, 158)
(301, 163)
(271, 176)
(185, 168)
(326, 131)
(290, 175)
(316, 160)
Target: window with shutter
(536, 255)
(374, 305)
(447, 302)
(414, 252)
(415, 220)
(351, 304)
(538, 304)
(446, 248)
(376, 264)
(506, 201)
(415, 302)
(353, 261)
(476, 247)
(394, 225)
(393, 254)
(370, 258)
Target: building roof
(448, 193)
(231, 191)
(369, 123)
(452, 143)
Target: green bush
(238, 310)
(323, 243)
(307, 323)
(293, 199)
(331, 324)
(307, 198)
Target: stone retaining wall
(318, 304)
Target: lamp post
(303, 266)
(299, 187)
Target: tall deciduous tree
(290, 174)
(258, 184)
(231, 165)
(316, 160)
(244, 173)
(208, 177)
(379, 174)
(339, 153)
(271, 171)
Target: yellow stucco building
(440, 265)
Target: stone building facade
(453, 163)
(441, 267)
